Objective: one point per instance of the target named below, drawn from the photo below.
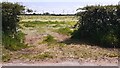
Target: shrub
(10, 19)
(99, 24)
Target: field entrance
(48, 38)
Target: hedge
(99, 24)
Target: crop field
(48, 38)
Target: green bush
(10, 19)
(99, 24)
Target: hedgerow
(99, 24)
(12, 38)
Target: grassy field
(47, 18)
(48, 38)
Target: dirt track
(32, 38)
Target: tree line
(48, 14)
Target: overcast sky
(61, 6)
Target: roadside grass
(14, 43)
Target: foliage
(29, 10)
(46, 13)
(10, 19)
(99, 24)
(11, 37)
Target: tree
(46, 13)
(10, 19)
(29, 10)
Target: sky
(61, 6)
